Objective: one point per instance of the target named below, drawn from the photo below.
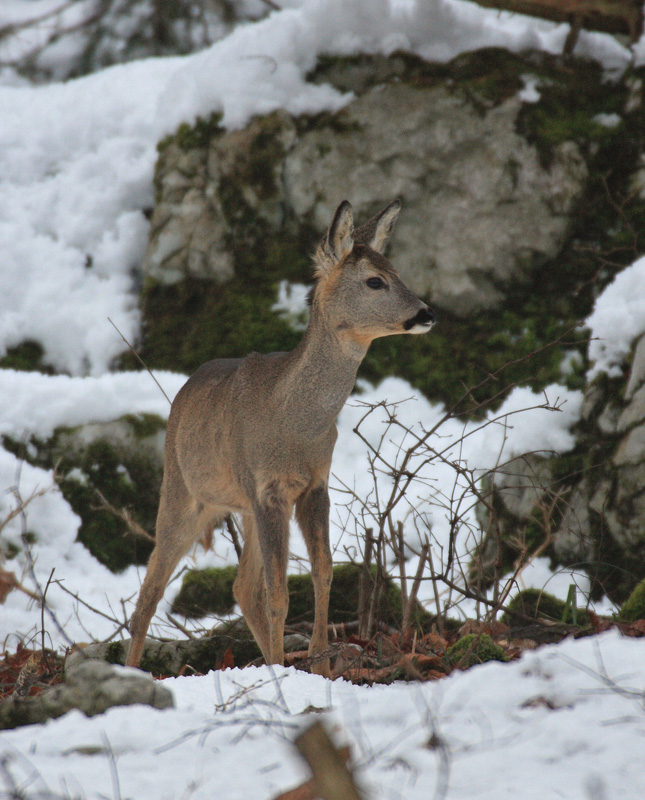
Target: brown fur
(256, 435)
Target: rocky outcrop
(589, 503)
(482, 208)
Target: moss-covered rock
(537, 604)
(104, 470)
(230, 643)
(634, 607)
(243, 209)
(211, 591)
(475, 649)
(205, 591)
(343, 599)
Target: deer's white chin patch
(419, 328)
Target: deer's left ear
(376, 232)
(338, 242)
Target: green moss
(206, 591)
(8, 550)
(491, 75)
(192, 322)
(343, 601)
(201, 655)
(570, 99)
(634, 607)
(613, 572)
(158, 662)
(339, 122)
(211, 591)
(131, 482)
(537, 604)
(198, 135)
(26, 357)
(128, 480)
(115, 653)
(475, 649)
(145, 425)
(210, 652)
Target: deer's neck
(323, 373)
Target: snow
(563, 721)
(76, 167)
(617, 319)
(291, 304)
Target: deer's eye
(375, 283)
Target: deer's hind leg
(179, 522)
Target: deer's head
(358, 292)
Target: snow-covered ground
(564, 721)
(76, 165)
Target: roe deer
(255, 435)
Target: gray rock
(90, 686)
(635, 411)
(481, 210)
(631, 450)
(594, 396)
(637, 375)
(573, 540)
(608, 419)
(520, 484)
(190, 233)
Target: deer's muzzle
(421, 322)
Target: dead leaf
(295, 655)
(522, 644)
(8, 582)
(636, 628)
(434, 642)
(599, 624)
(541, 701)
(228, 660)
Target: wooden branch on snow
(607, 16)
(331, 780)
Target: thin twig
(414, 591)
(131, 523)
(140, 360)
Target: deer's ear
(338, 242)
(376, 232)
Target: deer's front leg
(312, 513)
(272, 514)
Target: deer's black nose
(425, 317)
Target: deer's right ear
(338, 241)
